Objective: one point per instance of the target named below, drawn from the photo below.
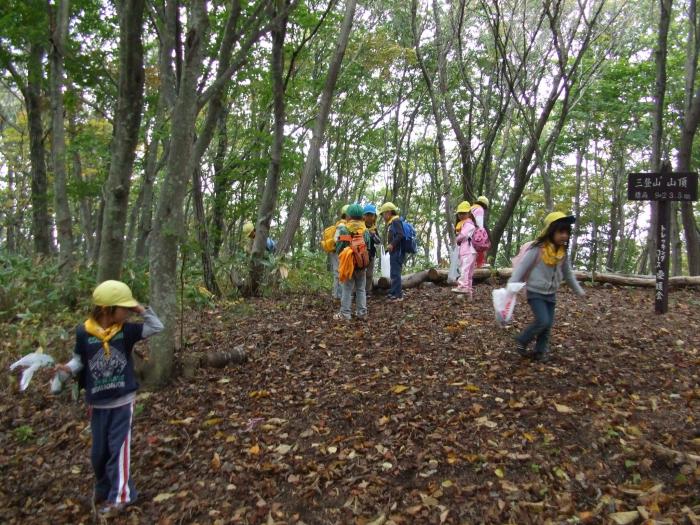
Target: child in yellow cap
(103, 361)
(464, 229)
(543, 266)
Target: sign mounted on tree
(663, 187)
(660, 186)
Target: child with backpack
(395, 242)
(465, 228)
(328, 244)
(103, 361)
(543, 264)
(352, 244)
(370, 217)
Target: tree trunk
(269, 197)
(208, 273)
(688, 131)
(463, 141)
(58, 15)
(85, 216)
(41, 223)
(573, 245)
(169, 221)
(127, 120)
(302, 192)
(676, 245)
(435, 106)
(221, 184)
(660, 54)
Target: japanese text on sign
(666, 187)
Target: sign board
(662, 187)
(673, 186)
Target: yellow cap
(483, 200)
(554, 217)
(344, 210)
(463, 207)
(114, 293)
(248, 228)
(387, 206)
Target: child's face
(462, 215)
(369, 219)
(120, 314)
(561, 237)
(386, 216)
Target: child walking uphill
(103, 362)
(465, 228)
(354, 236)
(395, 236)
(543, 266)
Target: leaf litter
(422, 415)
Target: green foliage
(24, 433)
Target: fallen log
(439, 276)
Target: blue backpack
(410, 244)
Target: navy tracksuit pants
(111, 453)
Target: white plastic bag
(453, 273)
(32, 362)
(385, 264)
(504, 302)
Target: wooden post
(662, 187)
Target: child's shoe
(521, 349)
(340, 317)
(542, 357)
(111, 509)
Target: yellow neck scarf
(458, 227)
(103, 334)
(552, 255)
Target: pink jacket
(465, 247)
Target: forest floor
(423, 415)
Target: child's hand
(138, 309)
(63, 368)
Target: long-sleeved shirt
(109, 380)
(542, 278)
(394, 235)
(464, 237)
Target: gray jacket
(544, 279)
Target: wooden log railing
(439, 276)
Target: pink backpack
(480, 240)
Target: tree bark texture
(302, 192)
(127, 120)
(169, 220)
(270, 194)
(41, 223)
(58, 14)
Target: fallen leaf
(163, 496)
(563, 409)
(397, 389)
(216, 462)
(624, 518)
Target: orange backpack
(360, 254)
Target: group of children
(103, 360)
(544, 264)
(352, 252)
